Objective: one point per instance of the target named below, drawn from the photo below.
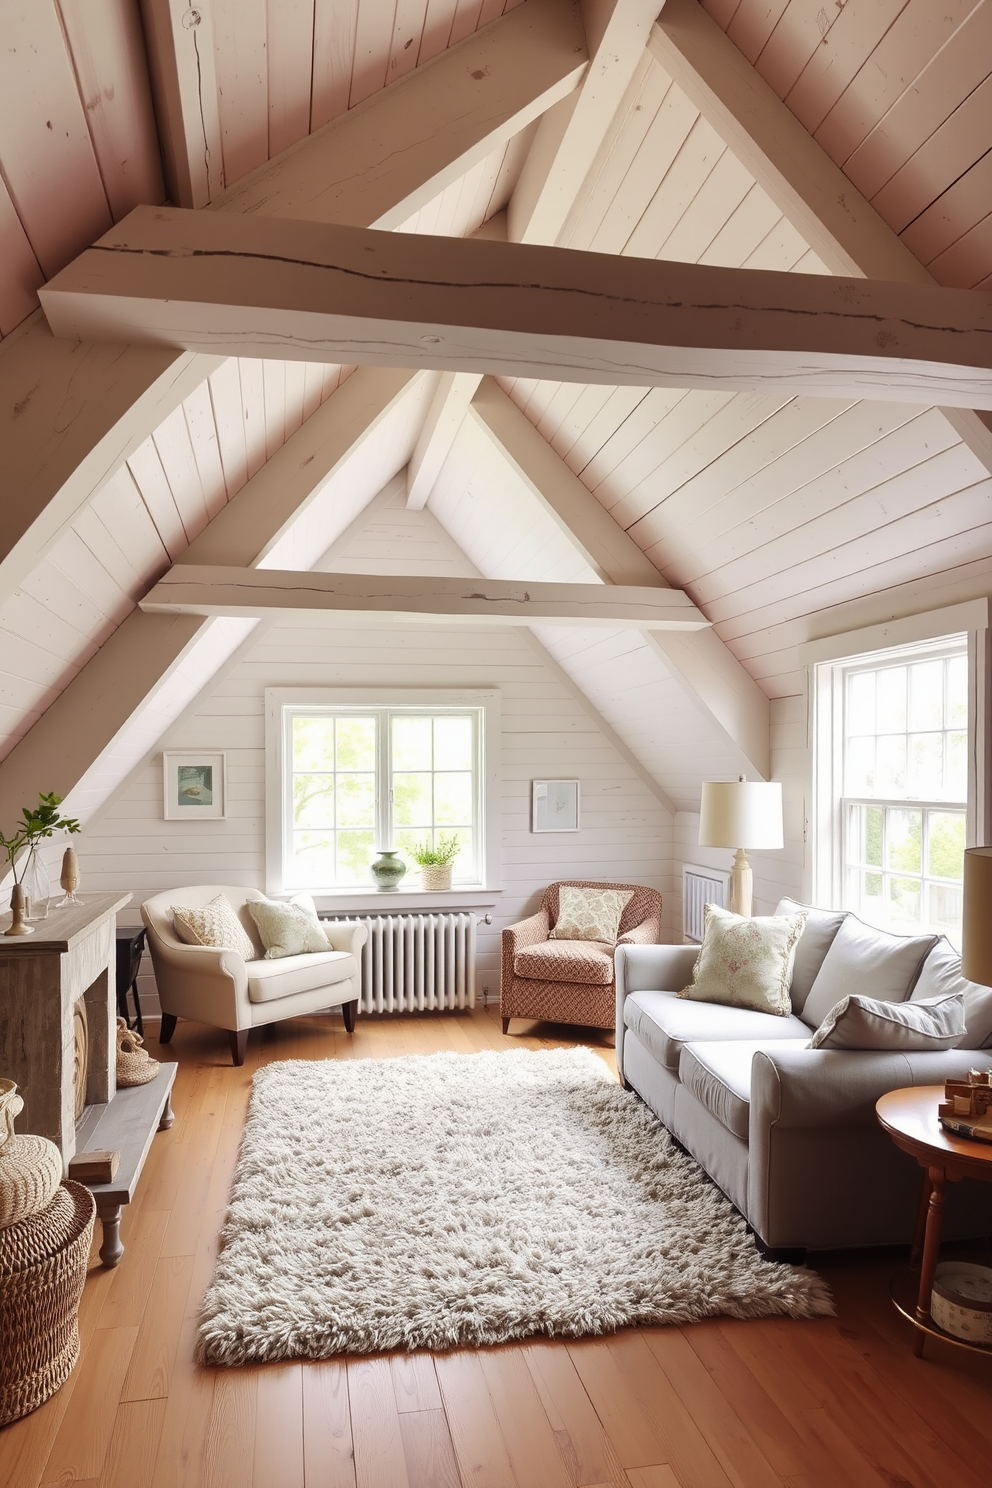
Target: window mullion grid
(384, 780)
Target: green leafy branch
(445, 852)
(40, 821)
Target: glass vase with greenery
(36, 824)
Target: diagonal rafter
(811, 191)
(71, 413)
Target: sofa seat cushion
(270, 980)
(588, 961)
(664, 1022)
(718, 1074)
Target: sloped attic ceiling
(744, 135)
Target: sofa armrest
(646, 933)
(532, 931)
(793, 1087)
(345, 935)
(648, 968)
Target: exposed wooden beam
(701, 662)
(180, 49)
(571, 133)
(191, 589)
(842, 228)
(70, 415)
(208, 282)
(445, 415)
(106, 693)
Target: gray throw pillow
(814, 943)
(900, 1027)
(941, 973)
(869, 962)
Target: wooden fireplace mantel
(71, 954)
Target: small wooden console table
(910, 1118)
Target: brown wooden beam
(248, 286)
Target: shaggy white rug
(470, 1198)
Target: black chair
(130, 947)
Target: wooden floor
(835, 1403)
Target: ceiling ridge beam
(106, 693)
(702, 664)
(812, 192)
(263, 286)
(71, 413)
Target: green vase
(388, 869)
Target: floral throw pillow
(746, 962)
(286, 929)
(215, 925)
(589, 914)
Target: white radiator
(700, 886)
(416, 962)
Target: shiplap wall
(626, 833)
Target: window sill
(405, 901)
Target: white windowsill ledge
(406, 901)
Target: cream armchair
(221, 988)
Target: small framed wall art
(555, 806)
(195, 786)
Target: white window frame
(824, 826)
(280, 705)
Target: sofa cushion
(270, 980)
(745, 961)
(719, 1076)
(663, 1022)
(215, 924)
(940, 974)
(818, 935)
(862, 1023)
(588, 961)
(867, 961)
(286, 929)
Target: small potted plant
(435, 861)
(37, 822)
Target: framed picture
(195, 786)
(555, 806)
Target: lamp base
(741, 886)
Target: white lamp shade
(741, 813)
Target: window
(897, 790)
(355, 775)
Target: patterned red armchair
(570, 981)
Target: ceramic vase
(18, 923)
(388, 869)
(70, 877)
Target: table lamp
(976, 925)
(741, 814)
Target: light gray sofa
(788, 1132)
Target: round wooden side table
(910, 1118)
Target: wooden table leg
(168, 1115)
(111, 1249)
(931, 1250)
(920, 1229)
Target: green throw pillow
(286, 929)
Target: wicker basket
(42, 1270)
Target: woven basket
(135, 1066)
(42, 1270)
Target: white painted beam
(569, 136)
(104, 697)
(180, 48)
(704, 666)
(251, 286)
(193, 589)
(842, 228)
(449, 405)
(70, 415)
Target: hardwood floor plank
(659, 1476)
(80, 1446)
(134, 1444)
(328, 1457)
(150, 1371)
(414, 1382)
(127, 1295)
(480, 1448)
(228, 1445)
(581, 1439)
(530, 1441)
(375, 1426)
(278, 1455)
(630, 1433)
(181, 1453)
(428, 1450)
